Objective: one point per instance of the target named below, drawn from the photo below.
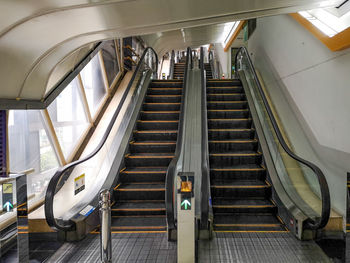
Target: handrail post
(105, 221)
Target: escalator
(140, 192)
(179, 68)
(240, 192)
(208, 71)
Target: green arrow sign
(8, 206)
(186, 205)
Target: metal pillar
(105, 232)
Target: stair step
(233, 145)
(152, 146)
(148, 159)
(164, 91)
(225, 96)
(247, 222)
(138, 223)
(137, 207)
(162, 98)
(143, 174)
(217, 90)
(228, 114)
(243, 206)
(156, 135)
(234, 123)
(241, 189)
(226, 105)
(159, 115)
(222, 174)
(227, 134)
(140, 191)
(157, 125)
(165, 106)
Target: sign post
(186, 231)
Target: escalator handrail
(51, 189)
(170, 175)
(205, 192)
(326, 202)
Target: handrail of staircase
(51, 189)
(205, 185)
(172, 63)
(170, 175)
(325, 196)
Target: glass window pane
(30, 147)
(110, 61)
(93, 84)
(68, 117)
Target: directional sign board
(186, 203)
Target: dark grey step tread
(145, 170)
(236, 153)
(238, 168)
(138, 221)
(230, 119)
(233, 141)
(150, 186)
(248, 219)
(230, 130)
(218, 202)
(141, 142)
(151, 155)
(155, 131)
(139, 206)
(242, 183)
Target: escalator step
(175, 106)
(143, 174)
(137, 207)
(223, 174)
(234, 158)
(243, 206)
(217, 90)
(148, 159)
(247, 222)
(216, 146)
(224, 105)
(227, 134)
(140, 191)
(138, 223)
(159, 115)
(163, 98)
(244, 123)
(241, 189)
(152, 146)
(158, 125)
(164, 91)
(228, 114)
(156, 135)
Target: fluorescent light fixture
(228, 31)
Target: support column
(3, 143)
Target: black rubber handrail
(326, 201)
(51, 189)
(170, 175)
(205, 191)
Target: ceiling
(40, 41)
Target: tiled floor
(125, 247)
(259, 247)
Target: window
(68, 117)
(29, 148)
(93, 83)
(110, 61)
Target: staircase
(140, 193)
(208, 71)
(240, 193)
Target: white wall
(310, 87)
